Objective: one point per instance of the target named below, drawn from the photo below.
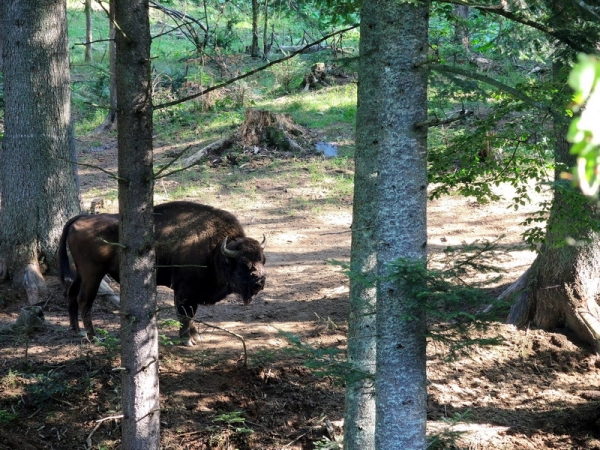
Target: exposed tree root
(34, 283)
(519, 311)
(561, 289)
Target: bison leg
(72, 294)
(86, 297)
(187, 332)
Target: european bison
(202, 254)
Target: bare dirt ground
(58, 391)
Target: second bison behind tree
(202, 253)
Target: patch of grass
(264, 357)
(10, 380)
(7, 416)
(110, 342)
(110, 194)
(319, 109)
(288, 75)
(44, 386)
(235, 421)
(329, 444)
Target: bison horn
(263, 244)
(227, 252)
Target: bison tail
(66, 271)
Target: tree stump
(260, 129)
(30, 320)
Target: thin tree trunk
(38, 178)
(139, 337)
(2, 26)
(266, 45)
(359, 421)
(110, 122)
(254, 45)
(88, 30)
(461, 32)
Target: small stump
(269, 129)
(260, 129)
(30, 320)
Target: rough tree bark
(139, 337)
(389, 222)
(1, 38)
(359, 416)
(562, 286)
(38, 177)
(401, 228)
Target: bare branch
(225, 330)
(114, 22)
(593, 10)
(92, 166)
(194, 159)
(98, 423)
(462, 114)
(177, 14)
(171, 30)
(170, 163)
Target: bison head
(246, 262)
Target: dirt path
(531, 392)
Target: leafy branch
(502, 11)
(502, 86)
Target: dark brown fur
(188, 239)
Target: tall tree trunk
(359, 416)
(461, 32)
(266, 44)
(401, 228)
(2, 26)
(389, 222)
(88, 30)
(254, 45)
(38, 177)
(562, 286)
(139, 337)
(110, 122)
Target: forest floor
(536, 390)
